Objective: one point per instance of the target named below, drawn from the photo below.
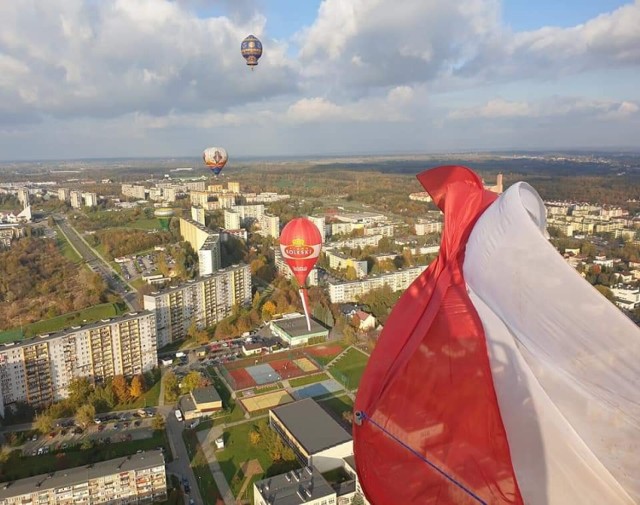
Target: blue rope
(364, 416)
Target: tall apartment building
(320, 223)
(38, 370)
(233, 187)
(231, 220)
(198, 215)
(204, 242)
(194, 185)
(23, 196)
(339, 261)
(64, 194)
(75, 197)
(169, 194)
(139, 478)
(204, 302)
(134, 191)
(250, 213)
(270, 225)
(90, 199)
(341, 292)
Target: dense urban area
(152, 338)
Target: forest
(37, 282)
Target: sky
(140, 78)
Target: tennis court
(267, 401)
(263, 374)
(305, 365)
(317, 389)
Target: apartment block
(90, 199)
(320, 223)
(426, 227)
(233, 187)
(38, 370)
(270, 226)
(75, 198)
(134, 191)
(204, 242)
(64, 194)
(204, 302)
(198, 215)
(135, 479)
(231, 220)
(339, 261)
(341, 292)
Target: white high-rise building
(198, 215)
(23, 196)
(320, 223)
(231, 220)
(75, 197)
(204, 302)
(38, 371)
(270, 225)
(90, 199)
(63, 194)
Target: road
(99, 265)
(181, 464)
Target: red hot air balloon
(300, 244)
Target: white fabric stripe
(576, 359)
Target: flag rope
(362, 416)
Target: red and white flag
(501, 376)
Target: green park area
(252, 452)
(309, 379)
(200, 465)
(349, 368)
(18, 467)
(88, 315)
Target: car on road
(185, 485)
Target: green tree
(605, 291)
(192, 381)
(80, 390)
(43, 422)
(85, 415)
(171, 389)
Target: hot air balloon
(300, 244)
(501, 375)
(251, 49)
(215, 158)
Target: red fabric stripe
(429, 381)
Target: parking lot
(111, 429)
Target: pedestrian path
(206, 440)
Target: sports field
(348, 369)
(267, 401)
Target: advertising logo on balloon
(298, 249)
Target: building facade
(340, 292)
(75, 198)
(204, 242)
(38, 371)
(202, 302)
(135, 479)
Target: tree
(157, 423)
(171, 390)
(268, 310)
(79, 390)
(121, 388)
(85, 415)
(605, 291)
(43, 422)
(254, 437)
(138, 386)
(192, 381)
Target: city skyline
(157, 78)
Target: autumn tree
(85, 415)
(80, 390)
(121, 389)
(268, 310)
(171, 389)
(138, 386)
(43, 422)
(193, 380)
(254, 437)
(158, 422)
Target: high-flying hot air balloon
(251, 49)
(300, 244)
(215, 158)
(502, 376)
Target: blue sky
(87, 78)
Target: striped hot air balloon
(501, 375)
(215, 158)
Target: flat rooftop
(81, 474)
(296, 487)
(297, 326)
(205, 395)
(312, 427)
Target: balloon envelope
(251, 49)
(300, 244)
(215, 158)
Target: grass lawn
(138, 283)
(144, 224)
(349, 368)
(200, 466)
(89, 315)
(337, 404)
(149, 399)
(65, 247)
(309, 379)
(18, 467)
(239, 450)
